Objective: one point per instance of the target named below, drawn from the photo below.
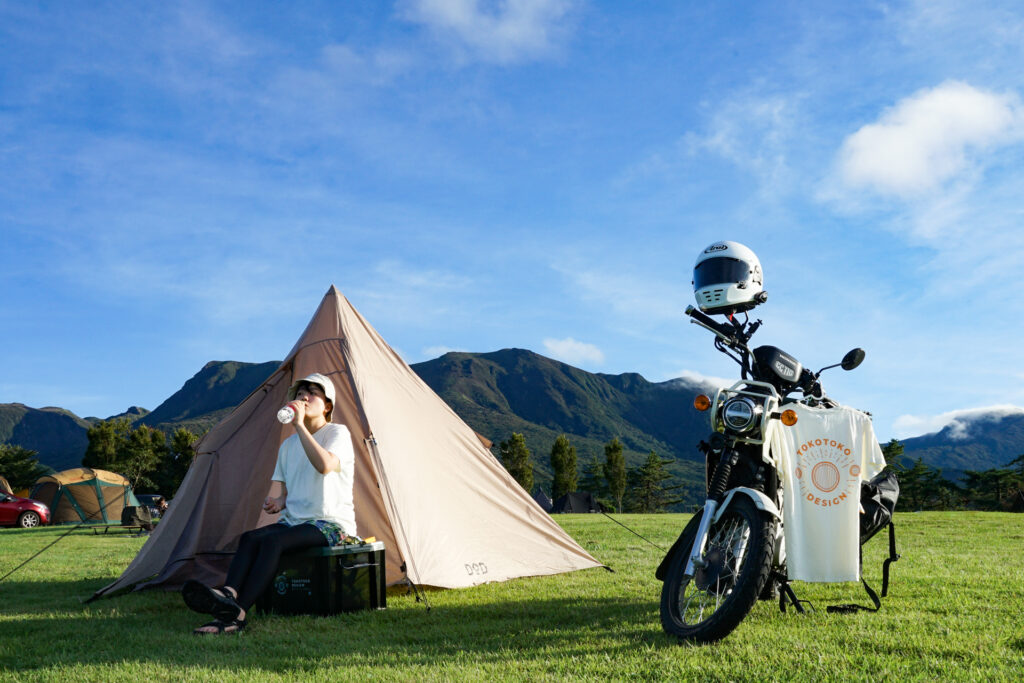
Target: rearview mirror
(853, 359)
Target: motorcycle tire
(739, 550)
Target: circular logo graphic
(825, 476)
(826, 472)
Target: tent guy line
(60, 538)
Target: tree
(563, 463)
(921, 486)
(19, 466)
(592, 479)
(515, 456)
(147, 449)
(133, 453)
(105, 444)
(892, 452)
(176, 461)
(1019, 462)
(988, 489)
(648, 491)
(615, 471)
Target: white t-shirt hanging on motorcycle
(822, 460)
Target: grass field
(954, 613)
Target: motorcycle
(731, 552)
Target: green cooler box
(344, 578)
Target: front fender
(761, 501)
(677, 547)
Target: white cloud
(928, 139)
(407, 276)
(502, 31)
(638, 300)
(959, 420)
(573, 352)
(751, 131)
(707, 381)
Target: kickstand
(786, 594)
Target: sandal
(232, 626)
(205, 600)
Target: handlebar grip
(708, 322)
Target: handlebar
(724, 332)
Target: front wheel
(738, 556)
(29, 519)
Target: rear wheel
(29, 519)
(738, 556)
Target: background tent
(543, 500)
(577, 501)
(84, 495)
(448, 512)
(5, 487)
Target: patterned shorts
(333, 532)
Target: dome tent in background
(449, 514)
(83, 494)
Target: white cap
(316, 378)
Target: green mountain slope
(209, 395)
(56, 434)
(515, 390)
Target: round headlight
(740, 414)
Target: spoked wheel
(737, 562)
(29, 519)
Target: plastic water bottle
(285, 415)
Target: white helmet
(727, 279)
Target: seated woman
(312, 489)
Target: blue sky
(182, 182)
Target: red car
(23, 512)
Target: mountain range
(506, 391)
(979, 442)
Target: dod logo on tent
(425, 485)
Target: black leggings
(252, 569)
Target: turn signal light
(789, 417)
(702, 402)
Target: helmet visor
(720, 271)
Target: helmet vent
(713, 296)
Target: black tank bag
(878, 498)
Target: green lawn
(955, 611)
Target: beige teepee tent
(448, 512)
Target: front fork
(716, 493)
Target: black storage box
(344, 578)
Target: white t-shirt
(822, 460)
(311, 495)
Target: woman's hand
(273, 505)
(300, 412)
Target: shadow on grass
(154, 626)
